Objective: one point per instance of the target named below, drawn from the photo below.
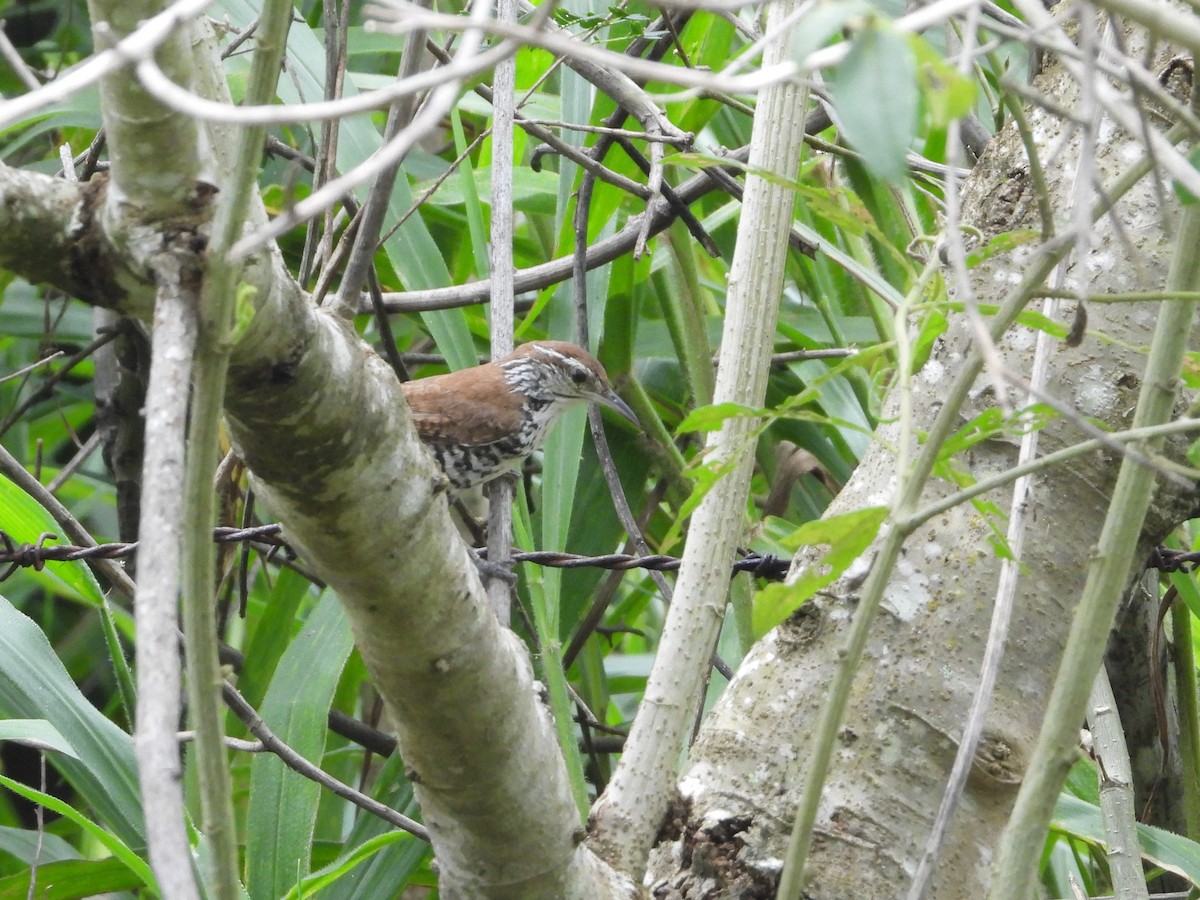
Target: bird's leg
(488, 569)
(500, 526)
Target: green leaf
(875, 93)
(712, 417)
(72, 880)
(346, 864)
(948, 95)
(1000, 244)
(37, 733)
(273, 630)
(244, 311)
(933, 326)
(110, 842)
(846, 537)
(126, 689)
(24, 520)
(34, 685)
(283, 804)
(1171, 852)
(1185, 196)
(28, 845)
(393, 867)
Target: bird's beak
(617, 405)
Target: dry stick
(400, 117)
(325, 162)
(294, 761)
(575, 154)
(44, 388)
(12, 56)
(500, 491)
(590, 162)
(156, 608)
(81, 455)
(559, 270)
(32, 367)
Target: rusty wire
(36, 555)
(766, 566)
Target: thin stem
(217, 306)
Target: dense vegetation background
(944, 237)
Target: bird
(486, 420)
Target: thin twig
(297, 763)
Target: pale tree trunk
(921, 666)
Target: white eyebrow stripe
(550, 351)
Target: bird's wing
(467, 411)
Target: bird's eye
(578, 377)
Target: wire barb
(35, 556)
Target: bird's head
(557, 375)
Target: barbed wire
(761, 565)
(1167, 560)
(36, 555)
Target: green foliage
(282, 807)
(655, 322)
(840, 539)
(875, 92)
(1170, 852)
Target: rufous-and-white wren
(484, 421)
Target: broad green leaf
(34, 685)
(28, 845)
(273, 630)
(24, 520)
(467, 182)
(347, 863)
(864, 275)
(37, 733)
(283, 804)
(1168, 851)
(875, 94)
(845, 536)
(72, 880)
(117, 848)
